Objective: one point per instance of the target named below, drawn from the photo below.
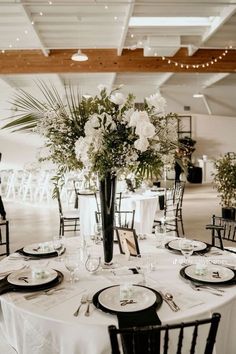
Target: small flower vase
(107, 188)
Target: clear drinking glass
(72, 262)
(186, 248)
(93, 263)
(58, 245)
(160, 231)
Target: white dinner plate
(143, 297)
(224, 273)
(25, 277)
(197, 245)
(39, 248)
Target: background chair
(123, 218)
(69, 219)
(117, 201)
(171, 215)
(140, 340)
(222, 229)
(4, 237)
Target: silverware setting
(83, 301)
(168, 298)
(43, 292)
(127, 302)
(211, 290)
(89, 301)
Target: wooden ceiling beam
(107, 60)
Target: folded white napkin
(9, 267)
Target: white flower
(141, 144)
(127, 115)
(145, 129)
(90, 125)
(102, 87)
(117, 98)
(156, 101)
(138, 117)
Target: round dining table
(45, 324)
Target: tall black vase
(107, 188)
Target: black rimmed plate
(28, 277)
(39, 249)
(199, 246)
(108, 299)
(6, 286)
(39, 254)
(215, 275)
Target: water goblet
(186, 248)
(93, 263)
(72, 262)
(58, 246)
(160, 231)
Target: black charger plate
(6, 287)
(37, 256)
(227, 282)
(196, 253)
(97, 304)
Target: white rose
(117, 98)
(145, 129)
(91, 124)
(138, 117)
(156, 101)
(141, 144)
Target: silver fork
(89, 301)
(82, 302)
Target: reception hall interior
(117, 176)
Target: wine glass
(72, 262)
(58, 245)
(186, 248)
(160, 231)
(93, 263)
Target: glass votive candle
(126, 291)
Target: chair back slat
(194, 339)
(147, 340)
(180, 340)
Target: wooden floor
(34, 223)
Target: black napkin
(141, 341)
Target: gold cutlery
(89, 301)
(44, 292)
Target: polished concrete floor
(31, 223)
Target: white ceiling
(56, 24)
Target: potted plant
(225, 183)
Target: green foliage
(225, 180)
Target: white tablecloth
(46, 325)
(145, 206)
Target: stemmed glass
(186, 248)
(93, 263)
(58, 245)
(160, 231)
(72, 262)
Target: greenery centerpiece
(104, 134)
(225, 184)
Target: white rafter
(214, 79)
(27, 15)
(113, 79)
(129, 13)
(206, 104)
(226, 13)
(6, 82)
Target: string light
(199, 65)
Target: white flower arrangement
(104, 133)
